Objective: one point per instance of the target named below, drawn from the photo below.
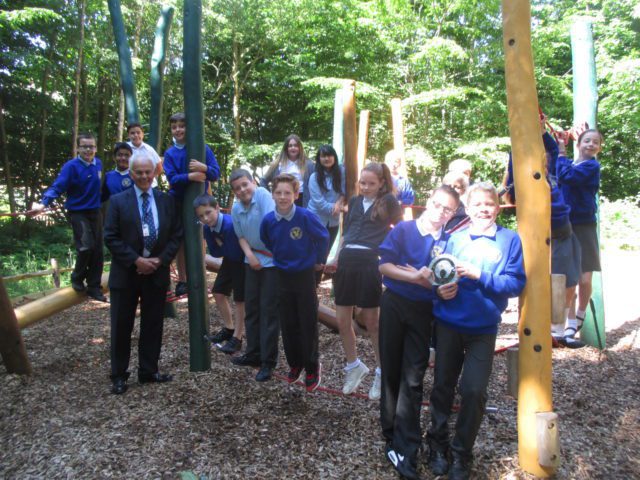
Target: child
(294, 161)
(222, 242)
(136, 141)
(463, 166)
(357, 282)
(180, 172)
(261, 277)
(326, 189)
(490, 270)
(80, 180)
(118, 180)
(405, 324)
(299, 244)
(401, 183)
(460, 183)
(579, 181)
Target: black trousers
(473, 354)
(299, 318)
(123, 312)
(405, 327)
(261, 315)
(87, 237)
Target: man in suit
(143, 232)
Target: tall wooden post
(12, 349)
(585, 106)
(124, 55)
(534, 393)
(363, 138)
(160, 44)
(338, 126)
(398, 129)
(200, 353)
(350, 138)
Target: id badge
(145, 230)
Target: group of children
(275, 247)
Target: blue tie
(147, 219)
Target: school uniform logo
(126, 182)
(437, 250)
(295, 233)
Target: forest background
(271, 68)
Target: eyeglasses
(87, 147)
(446, 210)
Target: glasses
(87, 147)
(446, 210)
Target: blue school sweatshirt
(579, 183)
(80, 181)
(478, 305)
(222, 240)
(405, 245)
(298, 241)
(115, 182)
(176, 168)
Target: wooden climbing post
(338, 126)
(585, 105)
(534, 227)
(363, 138)
(350, 138)
(12, 349)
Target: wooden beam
(12, 349)
(350, 138)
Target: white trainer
(374, 391)
(353, 378)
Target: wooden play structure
(537, 423)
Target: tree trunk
(103, 115)
(44, 114)
(5, 160)
(76, 95)
(120, 127)
(235, 75)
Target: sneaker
(181, 289)
(295, 374)
(438, 462)
(231, 346)
(460, 468)
(374, 391)
(353, 378)
(221, 335)
(403, 465)
(245, 361)
(264, 374)
(313, 379)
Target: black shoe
(403, 465)
(155, 378)
(181, 289)
(97, 295)
(221, 335)
(231, 346)
(460, 468)
(245, 361)
(438, 462)
(264, 374)
(78, 286)
(119, 386)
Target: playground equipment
(534, 390)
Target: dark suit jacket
(123, 237)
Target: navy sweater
(176, 168)
(81, 183)
(478, 305)
(115, 182)
(405, 245)
(579, 183)
(361, 229)
(225, 242)
(297, 244)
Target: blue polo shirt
(246, 223)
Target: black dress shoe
(119, 386)
(97, 295)
(181, 289)
(438, 462)
(155, 378)
(460, 468)
(78, 286)
(264, 374)
(245, 361)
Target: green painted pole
(585, 106)
(160, 44)
(200, 354)
(124, 55)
